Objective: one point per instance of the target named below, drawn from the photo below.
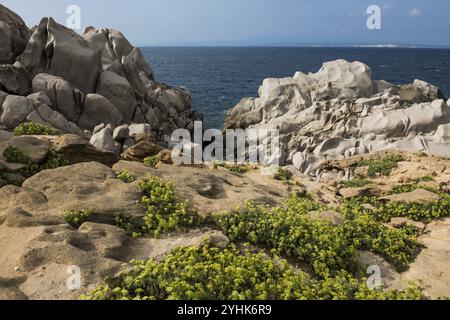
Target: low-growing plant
(13, 154)
(362, 228)
(151, 161)
(235, 168)
(131, 226)
(283, 174)
(125, 176)
(77, 217)
(52, 160)
(31, 128)
(206, 273)
(165, 212)
(355, 183)
(381, 167)
(314, 243)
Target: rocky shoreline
(87, 181)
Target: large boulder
(78, 150)
(15, 80)
(64, 98)
(114, 47)
(35, 149)
(97, 109)
(340, 112)
(103, 140)
(59, 51)
(15, 110)
(14, 35)
(119, 92)
(47, 116)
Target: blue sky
(254, 22)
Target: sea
(219, 77)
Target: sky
(254, 22)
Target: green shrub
(77, 217)
(15, 155)
(31, 128)
(165, 213)
(283, 174)
(52, 160)
(365, 230)
(326, 250)
(302, 205)
(355, 183)
(381, 167)
(235, 168)
(125, 176)
(151, 161)
(205, 273)
(131, 226)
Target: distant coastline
(291, 45)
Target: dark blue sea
(219, 77)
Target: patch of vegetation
(425, 179)
(53, 160)
(423, 212)
(165, 213)
(315, 243)
(355, 183)
(125, 176)
(151, 161)
(283, 174)
(381, 167)
(131, 226)
(206, 273)
(31, 128)
(235, 168)
(77, 217)
(15, 155)
(364, 230)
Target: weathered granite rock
(14, 35)
(51, 47)
(15, 80)
(35, 149)
(139, 129)
(78, 150)
(416, 196)
(121, 133)
(65, 99)
(103, 140)
(98, 109)
(119, 92)
(142, 150)
(340, 112)
(15, 110)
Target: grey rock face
(139, 129)
(51, 47)
(15, 110)
(35, 149)
(103, 140)
(79, 82)
(15, 80)
(118, 90)
(121, 133)
(98, 109)
(341, 112)
(14, 35)
(64, 98)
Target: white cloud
(415, 12)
